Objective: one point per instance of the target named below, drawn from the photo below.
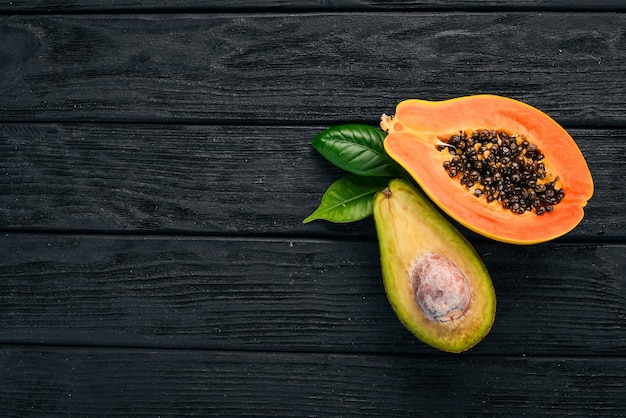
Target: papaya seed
(504, 163)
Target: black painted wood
(213, 179)
(294, 295)
(103, 382)
(307, 68)
(155, 166)
(64, 6)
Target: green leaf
(349, 199)
(357, 149)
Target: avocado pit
(441, 289)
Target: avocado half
(435, 281)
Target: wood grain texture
(155, 166)
(290, 295)
(291, 68)
(213, 179)
(102, 382)
(57, 6)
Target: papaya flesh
(420, 138)
(434, 280)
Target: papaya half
(498, 166)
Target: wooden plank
(306, 67)
(213, 179)
(289, 295)
(57, 6)
(100, 382)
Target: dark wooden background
(155, 166)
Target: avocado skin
(409, 227)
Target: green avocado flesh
(434, 279)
